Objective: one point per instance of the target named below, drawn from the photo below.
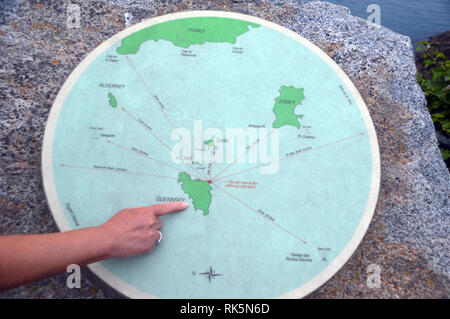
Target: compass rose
(210, 274)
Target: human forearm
(130, 232)
(25, 258)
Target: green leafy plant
(435, 83)
(445, 154)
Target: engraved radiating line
(146, 128)
(257, 212)
(292, 155)
(220, 181)
(158, 138)
(248, 149)
(149, 91)
(114, 171)
(146, 156)
(212, 164)
(159, 105)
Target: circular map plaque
(258, 129)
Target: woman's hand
(26, 258)
(136, 230)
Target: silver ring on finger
(159, 240)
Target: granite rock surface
(408, 237)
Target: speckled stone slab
(408, 237)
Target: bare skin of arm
(27, 258)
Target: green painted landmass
(210, 143)
(186, 32)
(285, 104)
(198, 191)
(112, 100)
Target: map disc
(258, 129)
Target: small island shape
(112, 100)
(285, 104)
(186, 32)
(210, 143)
(197, 190)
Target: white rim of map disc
(132, 292)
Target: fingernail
(184, 205)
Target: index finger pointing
(167, 208)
